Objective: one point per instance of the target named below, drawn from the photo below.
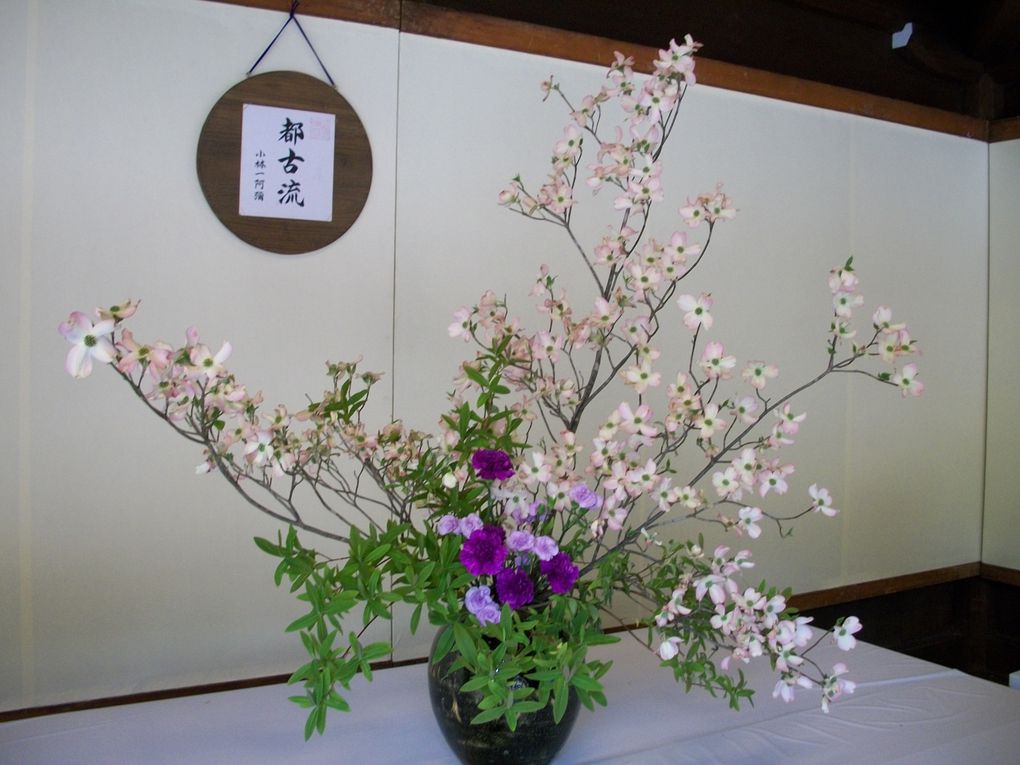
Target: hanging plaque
(284, 162)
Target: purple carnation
(545, 548)
(448, 524)
(585, 497)
(514, 587)
(469, 524)
(478, 601)
(492, 464)
(560, 572)
(520, 541)
(483, 552)
(490, 614)
(476, 598)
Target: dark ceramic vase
(535, 742)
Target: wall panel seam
(26, 622)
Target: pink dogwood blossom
(908, 382)
(696, 310)
(715, 363)
(88, 341)
(844, 633)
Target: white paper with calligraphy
(286, 163)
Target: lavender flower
(545, 548)
(585, 497)
(520, 541)
(479, 602)
(514, 587)
(492, 464)
(483, 552)
(560, 572)
(469, 524)
(448, 524)
(490, 614)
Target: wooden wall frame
(219, 161)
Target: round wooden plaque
(219, 162)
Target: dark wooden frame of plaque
(219, 162)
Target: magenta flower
(492, 464)
(514, 587)
(483, 552)
(560, 572)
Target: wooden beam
(432, 21)
(420, 18)
(809, 93)
(1008, 576)
(878, 587)
(380, 13)
(1004, 130)
(878, 14)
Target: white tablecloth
(904, 711)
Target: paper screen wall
(120, 571)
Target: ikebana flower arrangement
(539, 507)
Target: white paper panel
(1002, 509)
(142, 574)
(920, 211)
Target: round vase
(536, 740)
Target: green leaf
(474, 375)
(340, 603)
(443, 645)
(585, 683)
(487, 716)
(465, 644)
(337, 702)
(266, 546)
(560, 698)
(586, 700)
(600, 638)
(415, 618)
(311, 723)
(377, 553)
(301, 673)
(426, 570)
(374, 651)
(547, 675)
(304, 622)
(280, 571)
(524, 707)
(475, 684)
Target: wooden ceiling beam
(433, 19)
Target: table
(904, 711)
